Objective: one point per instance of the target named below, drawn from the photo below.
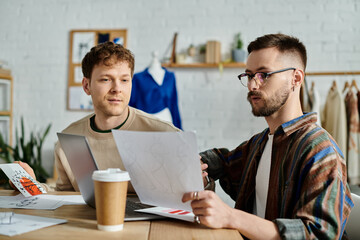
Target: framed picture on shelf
(81, 41)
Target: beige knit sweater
(103, 145)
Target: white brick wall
(34, 40)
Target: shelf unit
(6, 105)
(204, 65)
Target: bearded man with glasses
(289, 181)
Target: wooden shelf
(243, 65)
(5, 75)
(204, 65)
(5, 113)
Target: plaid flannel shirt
(308, 196)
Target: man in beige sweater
(108, 70)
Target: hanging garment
(352, 114)
(334, 118)
(149, 96)
(358, 97)
(315, 100)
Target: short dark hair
(282, 42)
(107, 53)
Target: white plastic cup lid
(110, 175)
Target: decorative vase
(191, 51)
(238, 55)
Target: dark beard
(271, 105)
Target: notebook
(82, 163)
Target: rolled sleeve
(290, 228)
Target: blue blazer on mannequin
(148, 96)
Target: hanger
(353, 84)
(346, 86)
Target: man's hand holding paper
(25, 183)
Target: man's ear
(86, 85)
(298, 77)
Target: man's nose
(253, 84)
(116, 86)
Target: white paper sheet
(22, 180)
(48, 202)
(20, 223)
(162, 165)
(170, 212)
(65, 199)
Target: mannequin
(154, 91)
(158, 73)
(155, 69)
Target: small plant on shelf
(238, 53)
(239, 42)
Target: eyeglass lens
(259, 78)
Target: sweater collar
(94, 128)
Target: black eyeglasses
(260, 77)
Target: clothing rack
(306, 90)
(331, 73)
(353, 83)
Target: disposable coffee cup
(110, 198)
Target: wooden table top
(82, 225)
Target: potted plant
(202, 52)
(238, 53)
(26, 150)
